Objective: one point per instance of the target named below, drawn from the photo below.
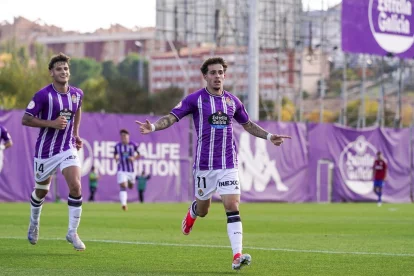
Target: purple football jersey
(212, 115)
(4, 135)
(49, 104)
(124, 151)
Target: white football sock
(123, 197)
(75, 212)
(235, 231)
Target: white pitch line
(224, 246)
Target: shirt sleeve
(80, 98)
(35, 106)
(240, 115)
(5, 136)
(183, 108)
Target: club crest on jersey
(200, 192)
(229, 101)
(219, 120)
(31, 105)
(74, 99)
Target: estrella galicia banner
(378, 27)
(352, 153)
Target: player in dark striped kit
(125, 153)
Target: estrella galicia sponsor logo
(390, 23)
(68, 114)
(355, 164)
(228, 183)
(219, 120)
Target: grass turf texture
(283, 239)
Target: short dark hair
(61, 57)
(123, 131)
(213, 60)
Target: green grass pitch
(283, 239)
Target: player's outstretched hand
(78, 142)
(277, 140)
(144, 128)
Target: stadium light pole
(140, 64)
(364, 76)
(345, 90)
(398, 121)
(300, 44)
(382, 97)
(253, 58)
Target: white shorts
(43, 168)
(226, 182)
(122, 177)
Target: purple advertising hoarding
(271, 173)
(322, 162)
(164, 155)
(352, 153)
(378, 27)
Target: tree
(407, 115)
(19, 78)
(162, 102)
(94, 90)
(109, 70)
(83, 69)
(129, 68)
(328, 116)
(125, 96)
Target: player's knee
(75, 189)
(231, 205)
(41, 190)
(41, 193)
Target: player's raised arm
(162, 123)
(256, 130)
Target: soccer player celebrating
(379, 174)
(56, 110)
(215, 166)
(125, 154)
(5, 136)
